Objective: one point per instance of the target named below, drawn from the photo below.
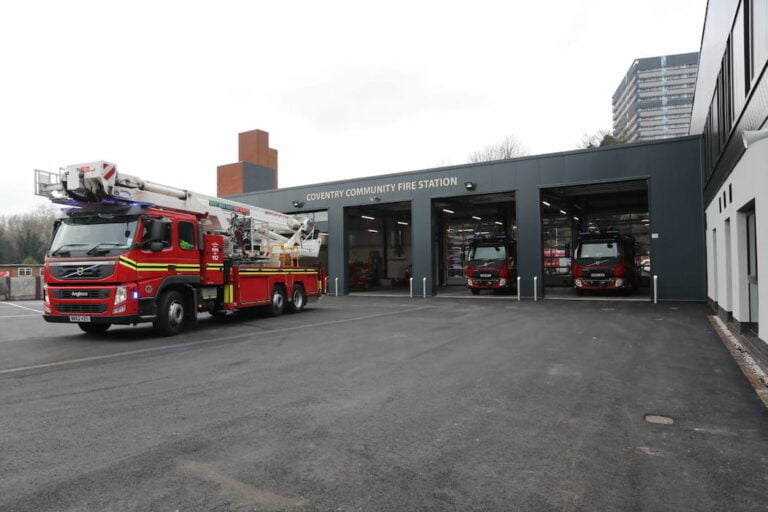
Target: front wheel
(170, 314)
(475, 291)
(298, 299)
(94, 328)
(277, 306)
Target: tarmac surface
(367, 403)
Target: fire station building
(695, 205)
(419, 224)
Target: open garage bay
(362, 403)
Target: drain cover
(659, 420)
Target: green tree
(26, 235)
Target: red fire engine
(491, 264)
(129, 251)
(605, 261)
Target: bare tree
(510, 147)
(599, 139)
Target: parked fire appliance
(605, 261)
(491, 264)
(132, 251)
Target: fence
(21, 288)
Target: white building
(732, 98)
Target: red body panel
(87, 286)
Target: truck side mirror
(156, 246)
(157, 230)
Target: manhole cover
(659, 420)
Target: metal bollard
(424, 287)
(518, 288)
(336, 280)
(410, 284)
(535, 288)
(326, 285)
(655, 289)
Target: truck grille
(485, 274)
(87, 293)
(602, 273)
(84, 271)
(81, 308)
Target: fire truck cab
(491, 264)
(605, 261)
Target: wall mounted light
(469, 185)
(546, 203)
(298, 204)
(749, 137)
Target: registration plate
(598, 274)
(485, 275)
(79, 319)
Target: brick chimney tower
(256, 169)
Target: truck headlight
(619, 282)
(502, 282)
(469, 282)
(578, 283)
(121, 294)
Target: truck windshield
(598, 251)
(487, 255)
(94, 236)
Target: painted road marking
(22, 307)
(16, 316)
(201, 342)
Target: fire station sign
(386, 188)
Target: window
(755, 39)
(186, 235)
(25, 271)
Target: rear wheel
(94, 328)
(298, 299)
(277, 306)
(170, 314)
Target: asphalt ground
(364, 403)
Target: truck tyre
(170, 314)
(94, 328)
(475, 291)
(299, 299)
(277, 306)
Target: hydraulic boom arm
(268, 233)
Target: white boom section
(94, 182)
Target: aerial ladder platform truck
(127, 251)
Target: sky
(345, 89)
